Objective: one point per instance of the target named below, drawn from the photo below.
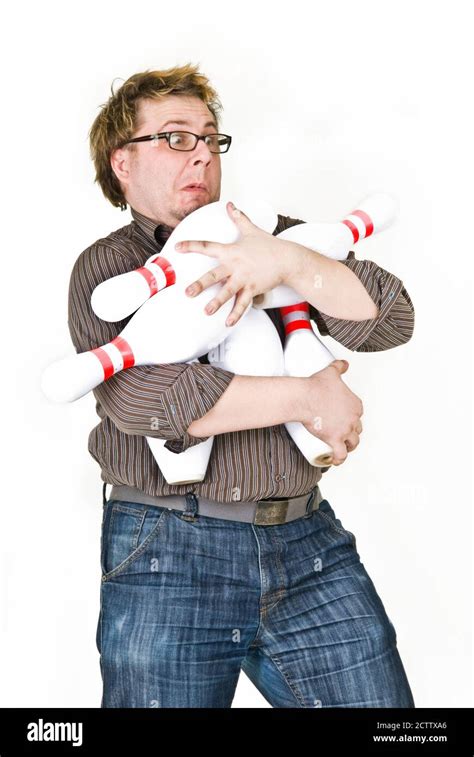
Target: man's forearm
(253, 402)
(327, 284)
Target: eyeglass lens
(182, 140)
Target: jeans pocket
(326, 512)
(128, 528)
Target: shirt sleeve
(150, 400)
(395, 322)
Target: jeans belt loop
(309, 505)
(192, 504)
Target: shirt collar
(156, 232)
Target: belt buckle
(271, 513)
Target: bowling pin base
(186, 467)
(323, 460)
(316, 452)
(193, 479)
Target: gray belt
(263, 512)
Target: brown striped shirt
(163, 400)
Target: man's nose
(202, 152)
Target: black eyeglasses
(186, 140)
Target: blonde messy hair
(117, 119)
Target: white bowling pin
(333, 240)
(253, 348)
(121, 295)
(186, 467)
(304, 354)
(166, 329)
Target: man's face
(153, 177)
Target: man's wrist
(299, 406)
(300, 264)
(290, 260)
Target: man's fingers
(226, 292)
(218, 273)
(352, 441)
(339, 454)
(242, 300)
(213, 249)
(340, 365)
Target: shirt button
(279, 477)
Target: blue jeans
(186, 605)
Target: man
(249, 569)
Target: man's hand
(253, 265)
(331, 411)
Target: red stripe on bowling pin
(293, 323)
(366, 220)
(125, 350)
(353, 228)
(107, 365)
(166, 267)
(126, 353)
(369, 226)
(150, 279)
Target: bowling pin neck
(158, 273)
(295, 317)
(359, 224)
(114, 356)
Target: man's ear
(120, 161)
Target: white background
(377, 96)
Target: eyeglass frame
(166, 135)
